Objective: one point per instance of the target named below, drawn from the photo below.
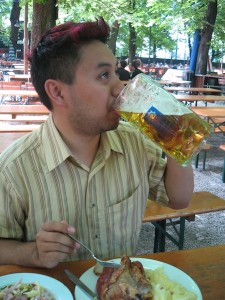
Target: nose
(117, 87)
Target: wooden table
(206, 266)
(25, 93)
(23, 77)
(211, 114)
(6, 128)
(15, 110)
(196, 98)
(173, 82)
(191, 89)
(7, 138)
(14, 93)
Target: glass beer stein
(170, 124)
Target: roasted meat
(125, 283)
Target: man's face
(92, 95)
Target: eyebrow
(103, 64)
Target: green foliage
(5, 9)
(156, 22)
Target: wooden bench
(219, 129)
(25, 121)
(218, 124)
(7, 138)
(29, 86)
(161, 217)
(9, 85)
(22, 119)
(18, 127)
(16, 110)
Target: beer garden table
(214, 115)
(206, 266)
(191, 89)
(28, 93)
(7, 138)
(173, 82)
(23, 77)
(15, 110)
(196, 98)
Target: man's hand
(53, 245)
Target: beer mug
(170, 124)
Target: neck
(83, 147)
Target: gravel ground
(207, 229)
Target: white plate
(57, 288)
(90, 279)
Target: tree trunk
(154, 51)
(132, 43)
(113, 36)
(132, 34)
(14, 19)
(207, 31)
(44, 17)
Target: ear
(56, 92)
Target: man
(134, 69)
(80, 173)
(122, 73)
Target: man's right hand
(53, 245)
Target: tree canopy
(154, 24)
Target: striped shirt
(40, 180)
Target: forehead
(96, 53)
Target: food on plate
(127, 282)
(165, 289)
(98, 269)
(25, 291)
(132, 282)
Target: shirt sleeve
(156, 172)
(11, 212)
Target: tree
(148, 25)
(5, 8)
(132, 33)
(45, 14)
(206, 36)
(113, 36)
(14, 19)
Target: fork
(108, 264)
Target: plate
(57, 288)
(90, 279)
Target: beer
(178, 136)
(173, 126)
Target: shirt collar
(56, 151)
(112, 140)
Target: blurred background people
(121, 72)
(134, 69)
